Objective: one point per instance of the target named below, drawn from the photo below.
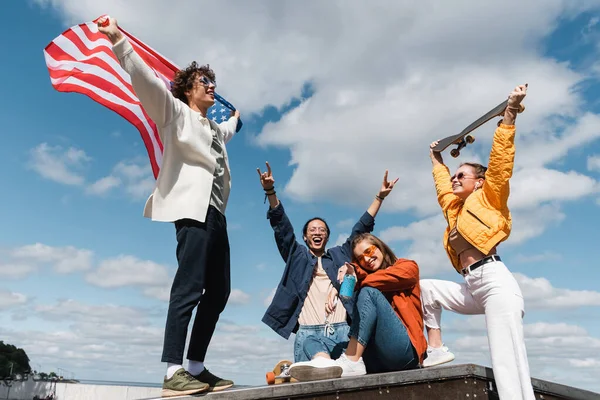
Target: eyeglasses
(315, 230)
(368, 253)
(204, 81)
(460, 176)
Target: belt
(479, 263)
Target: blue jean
(311, 339)
(376, 326)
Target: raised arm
(496, 188)
(441, 178)
(366, 223)
(282, 227)
(228, 127)
(156, 99)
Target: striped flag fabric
(81, 60)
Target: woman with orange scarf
(386, 333)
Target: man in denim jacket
(306, 298)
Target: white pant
(491, 290)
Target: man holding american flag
(191, 190)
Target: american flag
(81, 60)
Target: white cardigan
(185, 179)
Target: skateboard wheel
(270, 378)
(454, 153)
(469, 139)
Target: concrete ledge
(445, 382)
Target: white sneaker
(437, 356)
(316, 369)
(351, 368)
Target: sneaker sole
(219, 388)
(306, 373)
(440, 362)
(173, 393)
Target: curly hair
(389, 258)
(185, 79)
(479, 169)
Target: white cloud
(341, 239)
(134, 175)
(125, 270)
(162, 293)
(549, 347)
(544, 329)
(532, 186)
(530, 223)
(269, 298)
(426, 243)
(538, 258)
(540, 294)
(72, 310)
(238, 298)
(103, 185)
(261, 266)
(64, 260)
(16, 270)
(57, 164)
(376, 111)
(593, 163)
(11, 299)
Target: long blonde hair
(389, 258)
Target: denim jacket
(282, 315)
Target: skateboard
(462, 139)
(280, 373)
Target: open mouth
(317, 240)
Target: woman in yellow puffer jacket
(474, 203)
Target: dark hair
(185, 79)
(305, 228)
(389, 258)
(479, 169)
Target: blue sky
(331, 98)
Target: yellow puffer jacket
(483, 219)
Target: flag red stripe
(80, 60)
(123, 112)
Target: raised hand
(517, 95)
(436, 156)
(386, 186)
(109, 27)
(266, 178)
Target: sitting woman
(474, 203)
(386, 333)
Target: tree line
(12, 360)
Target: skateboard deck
(463, 138)
(280, 373)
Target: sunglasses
(368, 253)
(460, 176)
(204, 81)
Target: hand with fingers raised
(386, 186)
(266, 178)
(268, 183)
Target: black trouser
(202, 280)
